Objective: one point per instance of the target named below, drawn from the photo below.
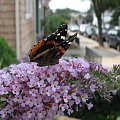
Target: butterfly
(48, 51)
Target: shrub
(103, 109)
(30, 92)
(7, 55)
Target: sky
(78, 5)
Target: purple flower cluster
(32, 92)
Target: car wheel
(118, 47)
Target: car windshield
(112, 32)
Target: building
(20, 23)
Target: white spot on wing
(70, 43)
(49, 35)
(58, 34)
(53, 33)
(63, 37)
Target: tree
(52, 23)
(60, 16)
(65, 13)
(99, 7)
(115, 17)
(116, 13)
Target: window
(28, 9)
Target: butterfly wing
(52, 40)
(52, 55)
(48, 51)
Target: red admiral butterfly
(48, 51)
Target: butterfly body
(48, 51)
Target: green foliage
(56, 117)
(103, 109)
(115, 16)
(116, 8)
(104, 5)
(115, 3)
(101, 5)
(52, 23)
(116, 74)
(7, 55)
(65, 13)
(74, 55)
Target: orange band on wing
(62, 50)
(36, 47)
(52, 42)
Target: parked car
(83, 28)
(95, 35)
(73, 28)
(89, 31)
(113, 38)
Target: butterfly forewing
(49, 51)
(36, 48)
(51, 41)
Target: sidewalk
(109, 56)
(86, 42)
(80, 51)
